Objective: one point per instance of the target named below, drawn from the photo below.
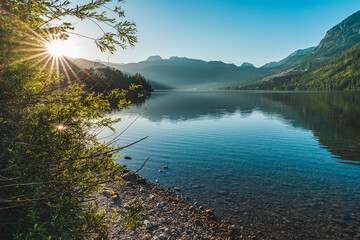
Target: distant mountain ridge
(247, 65)
(154, 58)
(292, 60)
(178, 72)
(186, 73)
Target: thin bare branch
(142, 165)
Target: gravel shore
(168, 214)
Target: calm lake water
(283, 165)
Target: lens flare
(44, 50)
(60, 127)
(62, 48)
(56, 48)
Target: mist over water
(281, 164)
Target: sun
(55, 48)
(58, 48)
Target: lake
(283, 165)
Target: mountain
(186, 73)
(247, 65)
(292, 60)
(341, 73)
(337, 40)
(332, 65)
(154, 58)
(82, 63)
(340, 38)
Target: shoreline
(168, 215)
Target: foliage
(50, 159)
(133, 217)
(107, 79)
(342, 73)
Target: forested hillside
(342, 73)
(108, 79)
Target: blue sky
(232, 31)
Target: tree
(50, 160)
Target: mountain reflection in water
(333, 117)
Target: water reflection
(333, 117)
(260, 159)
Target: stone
(147, 236)
(162, 236)
(116, 197)
(155, 238)
(127, 157)
(125, 166)
(186, 235)
(152, 197)
(142, 190)
(160, 170)
(208, 211)
(232, 227)
(177, 189)
(141, 180)
(166, 167)
(147, 224)
(159, 205)
(162, 220)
